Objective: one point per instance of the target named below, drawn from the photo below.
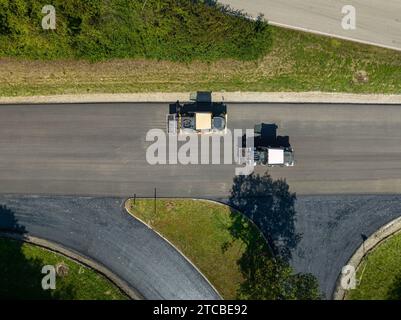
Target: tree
(270, 205)
(267, 273)
(21, 278)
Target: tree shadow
(21, 277)
(395, 289)
(8, 222)
(264, 265)
(270, 205)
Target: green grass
(199, 229)
(297, 62)
(311, 62)
(379, 274)
(121, 46)
(20, 269)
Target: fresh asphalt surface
(101, 150)
(377, 22)
(100, 229)
(332, 228)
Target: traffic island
(379, 274)
(22, 265)
(225, 246)
(377, 263)
(200, 231)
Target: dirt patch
(62, 269)
(360, 77)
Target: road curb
(229, 97)
(333, 35)
(370, 244)
(53, 247)
(253, 17)
(171, 244)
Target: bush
(178, 30)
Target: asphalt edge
(78, 258)
(377, 238)
(171, 244)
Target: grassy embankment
(227, 247)
(177, 46)
(200, 230)
(379, 274)
(21, 277)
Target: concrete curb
(171, 244)
(326, 34)
(230, 97)
(51, 246)
(370, 244)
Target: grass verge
(298, 62)
(21, 277)
(379, 274)
(200, 230)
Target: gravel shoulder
(229, 97)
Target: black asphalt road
(332, 228)
(101, 150)
(101, 230)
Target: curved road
(100, 149)
(332, 228)
(377, 22)
(101, 230)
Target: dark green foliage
(270, 205)
(21, 270)
(268, 275)
(395, 289)
(14, 266)
(178, 30)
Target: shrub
(178, 30)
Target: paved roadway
(101, 230)
(331, 229)
(378, 22)
(101, 150)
